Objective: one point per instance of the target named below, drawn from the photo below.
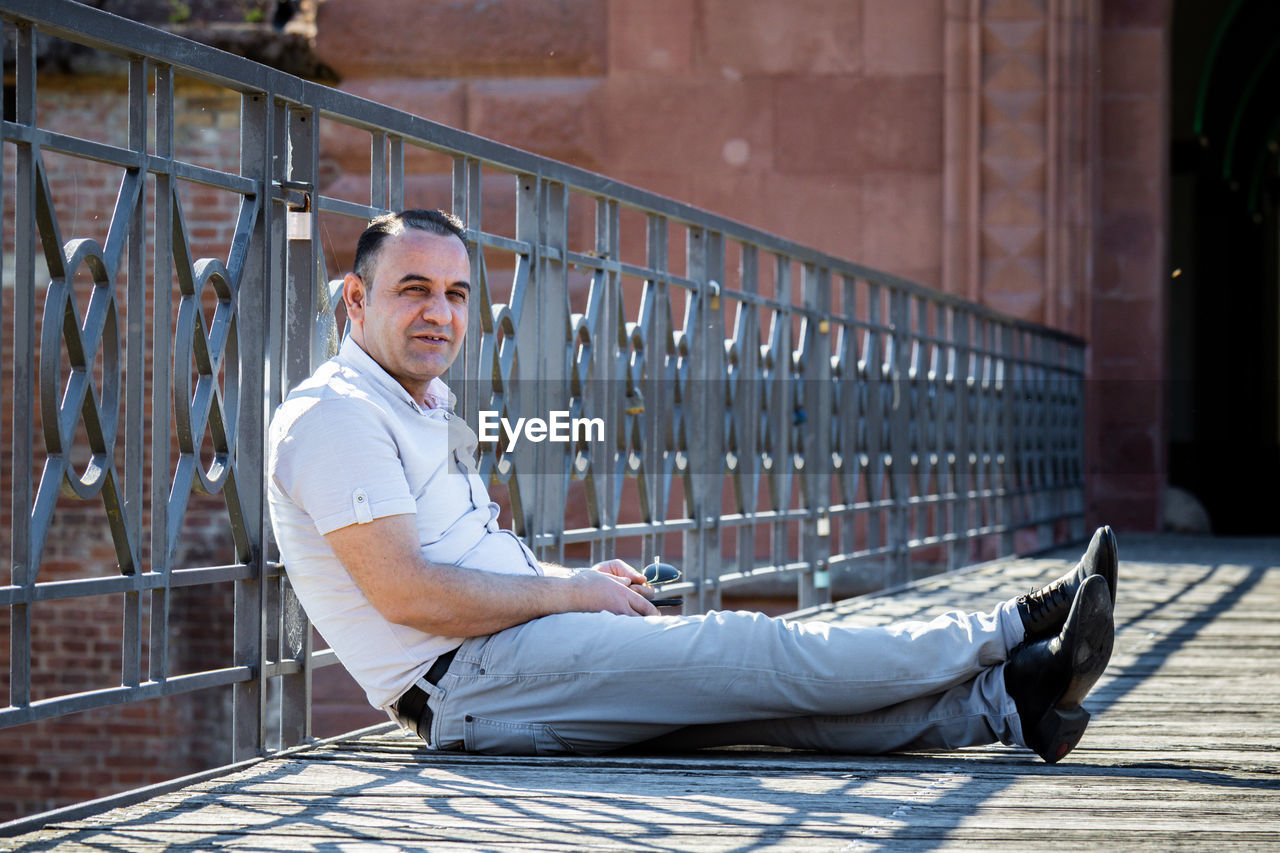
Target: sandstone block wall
(818, 119)
(1010, 151)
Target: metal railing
(769, 410)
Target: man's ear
(354, 296)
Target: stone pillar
(1127, 444)
(1017, 201)
(1055, 191)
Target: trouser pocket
(504, 737)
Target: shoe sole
(1106, 561)
(1111, 552)
(1091, 632)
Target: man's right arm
(385, 561)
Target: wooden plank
(1181, 755)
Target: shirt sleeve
(338, 461)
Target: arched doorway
(1224, 289)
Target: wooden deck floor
(1183, 753)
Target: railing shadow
(620, 807)
(415, 797)
(1120, 682)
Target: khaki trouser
(591, 682)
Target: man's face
(413, 316)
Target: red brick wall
(76, 643)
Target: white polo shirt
(347, 446)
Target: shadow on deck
(1182, 753)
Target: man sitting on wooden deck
(453, 626)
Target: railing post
(1073, 433)
(554, 359)
(655, 323)
(23, 569)
(258, 143)
(1043, 498)
(814, 585)
(920, 413)
(876, 374)
(136, 335)
(704, 413)
(1006, 454)
(847, 410)
(521, 392)
(746, 406)
(899, 438)
(463, 376)
(542, 341)
(161, 381)
(781, 413)
(289, 632)
(959, 373)
(608, 377)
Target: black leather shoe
(1044, 611)
(1048, 679)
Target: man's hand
(623, 571)
(612, 589)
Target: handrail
(769, 410)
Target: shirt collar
(439, 396)
(353, 355)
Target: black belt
(412, 709)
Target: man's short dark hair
(391, 224)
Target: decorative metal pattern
(769, 410)
(77, 400)
(200, 403)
